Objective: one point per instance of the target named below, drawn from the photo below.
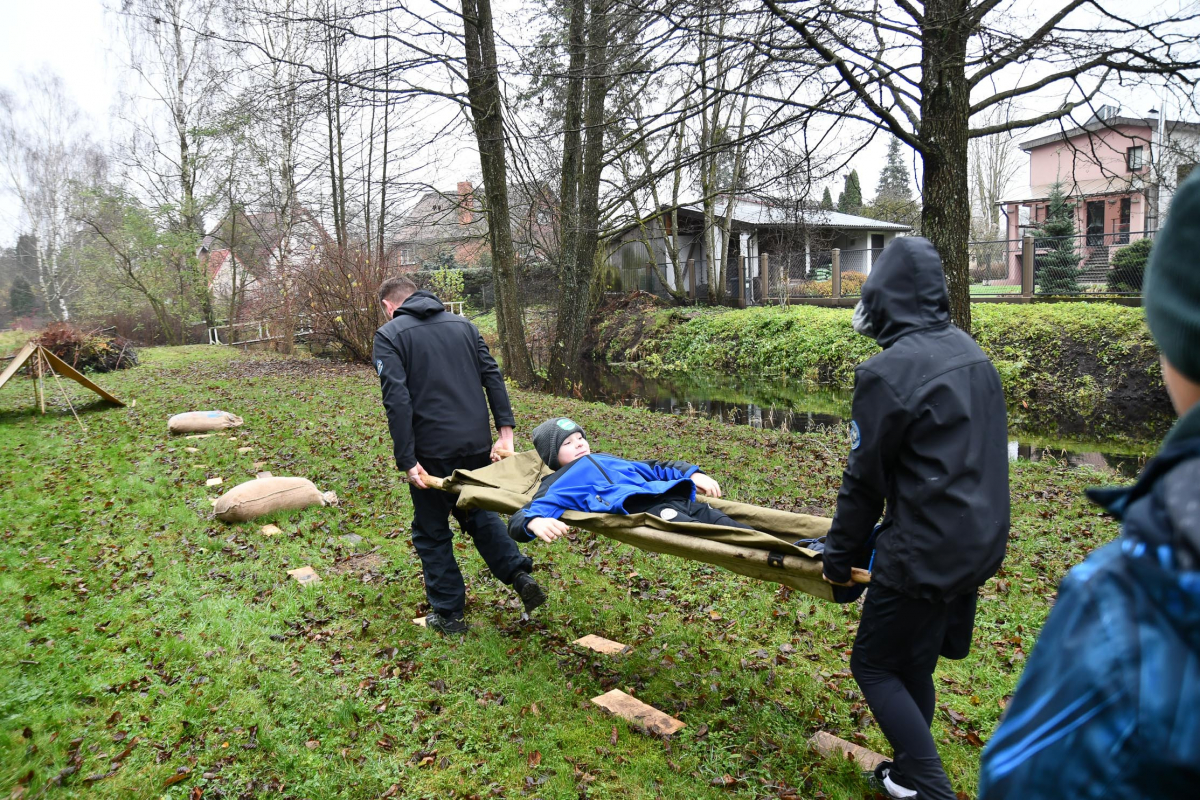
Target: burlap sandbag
(201, 421)
(264, 495)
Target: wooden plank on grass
(602, 645)
(270, 530)
(829, 745)
(419, 621)
(214, 481)
(305, 575)
(638, 713)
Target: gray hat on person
(1171, 294)
(550, 435)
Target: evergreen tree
(850, 200)
(1056, 265)
(826, 201)
(893, 178)
(21, 301)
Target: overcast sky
(71, 38)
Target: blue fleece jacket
(1107, 705)
(602, 484)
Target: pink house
(1119, 171)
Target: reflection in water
(791, 406)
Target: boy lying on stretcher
(604, 484)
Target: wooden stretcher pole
(39, 391)
(434, 482)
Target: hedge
(1067, 368)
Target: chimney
(465, 198)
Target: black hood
(420, 304)
(906, 290)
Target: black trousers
(691, 511)
(895, 652)
(431, 535)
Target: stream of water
(780, 404)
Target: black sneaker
(892, 784)
(447, 626)
(531, 594)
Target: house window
(542, 217)
(406, 256)
(1133, 158)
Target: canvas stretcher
(767, 553)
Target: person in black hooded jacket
(929, 443)
(434, 370)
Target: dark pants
(432, 537)
(897, 648)
(693, 511)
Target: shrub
(852, 283)
(337, 295)
(1129, 267)
(87, 352)
(448, 284)
(1066, 368)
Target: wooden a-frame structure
(45, 361)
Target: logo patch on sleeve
(378, 366)
(855, 435)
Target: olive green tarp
(765, 553)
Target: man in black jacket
(434, 369)
(929, 436)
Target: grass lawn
(148, 650)
(12, 341)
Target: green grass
(131, 620)
(11, 341)
(982, 290)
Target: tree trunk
(945, 103)
(187, 174)
(583, 215)
(483, 92)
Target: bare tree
(177, 61)
(995, 162)
(48, 158)
(924, 71)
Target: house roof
(759, 214)
(1099, 187)
(215, 259)
(1171, 125)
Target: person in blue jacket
(1107, 706)
(604, 484)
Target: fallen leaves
(180, 775)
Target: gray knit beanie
(550, 435)
(1171, 295)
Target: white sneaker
(883, 774)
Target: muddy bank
(1072, 369)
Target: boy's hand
(547, 529)
(706, 485)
